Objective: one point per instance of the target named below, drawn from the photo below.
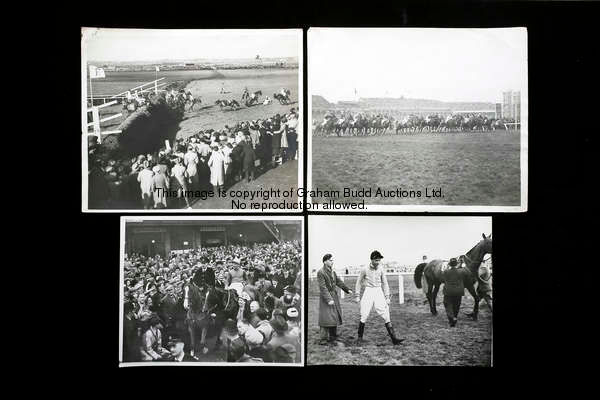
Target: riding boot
(361, 331)
(390, 329)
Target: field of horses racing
(429, 340)
(207, 86)
(471, 168)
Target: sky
(351, 239)
(438, 64)
(126, 45)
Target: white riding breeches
(373, 296)
(238, 286)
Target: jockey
(283, 92)
(236, 277)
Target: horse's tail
(419, 274)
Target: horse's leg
(193, 350)
(476, 299)
(203, 340)
(436, 288)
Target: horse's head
(486, 244)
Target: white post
(96, 121)
(343, 293)
(401, 287)
(91, 90)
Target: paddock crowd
(210, 160)
(268, 326)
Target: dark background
(542, 258)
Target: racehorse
(196, 319)
(228, 103)
(220, 305)
(253, 98)
(192, 101)
(429, 276)
(281, 98)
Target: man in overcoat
(330, 311)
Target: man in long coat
(330, 311)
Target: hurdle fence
(112, 100)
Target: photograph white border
(315, 217)
(524, 150)
(84, 128)
(141, 218)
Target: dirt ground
(429, 339)
(471, 168)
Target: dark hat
(376, 255)
(290, 288)
(453, 262)
(154, 320)
(262, 313)
(327, 257)
(279, 324)
(284, 353)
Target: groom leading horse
(429, 276)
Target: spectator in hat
(248, 157)
(179, 183)
(176, 348)
(146, 185)
(130, 334)
(293, 319)
(216, 162)
(454, 289)
(161, 186)
(280, 336)
(191, 161)
(330, 311)
(285, 353)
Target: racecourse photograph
(211, 291)
(172, 118)
(418, 117)
(411, 291)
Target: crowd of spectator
(268, 325)
(176, 176)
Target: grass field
(470, 168)
(429, 340)
(207, 85)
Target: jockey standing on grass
(377, 293)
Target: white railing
(400, 276)
(96, 121)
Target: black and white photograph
(410, 291)
(192, 120)
(211, 291)
(418, 119)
